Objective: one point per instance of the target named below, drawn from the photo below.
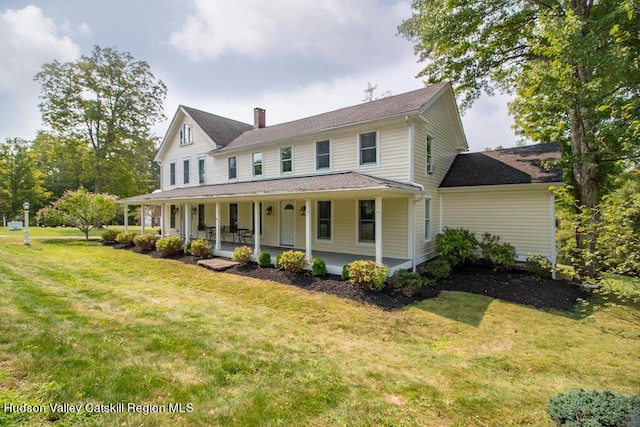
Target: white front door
(287, 223)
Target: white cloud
(29, 40)
(341, 30)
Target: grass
(85, 324)
(65, 232)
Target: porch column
(187, 223)
(126, 218)
(256, 228)
(142, 219)
(217, 247)
(307, 223)
(378, 229)
(162, 226)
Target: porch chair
(226, 232)
(246, 236)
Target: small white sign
(14, 225)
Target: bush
(242, 254)
(126, 238)
(109, 236)
(368, 275)
(146, 242)
(169, 245)
(277, 265)
(200, 248)
(437, 269)
(456, 246)
(539, 266)
(408, 283)
(345, 272)
(318, 267)
(593, 408)
(264, 259)
(293, 261)
(500, 254)
(187, 247)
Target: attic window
(185, 134)
(429, 151)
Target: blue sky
(292, 58)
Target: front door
(287, 223)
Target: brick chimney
(259, 118)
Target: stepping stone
(217, 264)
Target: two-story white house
(376, 180)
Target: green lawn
(81, 323)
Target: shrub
(146, 242)
(200, 248)
(109, 236)
(593, 408)
(126, 238)
(408, 283)
(169, 245)
(500, 254)
(457, 245)
(187, 247)
(277, 265)
(345, 272)
(437, 269)
(318, 267)
(293, 261)
(539, 266)
(368, 275)
(264, 259)
(242, 254)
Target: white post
(142, 219)
(126, 218)
(411, 233)
(187, 223)
(218, 246)
(552, 230)
(162, 216)
(307, 222)
(379, 230)
(256, 228)
(25, 206)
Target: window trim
(331, 216)
(282, 172)
(428, 218)
(202, 174)
(377, 148)
(359, 241)
(235, 169)
(429, 163)
(328, 168)
(186, 134)
(172, 173)
(254, 164)
(186, 171)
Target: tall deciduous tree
(109, 100)
(572, 65)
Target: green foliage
(277, 265)
(109, 236)
(539, 265)
(187, 247)
(318, 267)
(368, 275)
(200, 248)
(456, 246)
(169, 245)
(437, 269)
(109, 101)
(242, 254)
(408, 283)
(146, 242)
(82, 209)
(126, 238)
(500, 254)
(593, 408)
(264, 259)
(345, 272)
(293, 261)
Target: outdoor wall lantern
(303, 210)
(269, 210)
(25, 206)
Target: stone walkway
(216, 264)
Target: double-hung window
(367, 221)
(368, 148)
(185, 134)
(185, 171)
(201, 218)
(172, 216)
(172, 173)
(256, 161)
(201, 174)
(324, 220)
(427, 220)
(286, 160)
(323, 155)
(429, 151)
(233, 167)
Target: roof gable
(521, 165)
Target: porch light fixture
(269, 210)
(303, 210)
(194, 210)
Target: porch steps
(217, 264)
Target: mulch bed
(515, 285)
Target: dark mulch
(515, 285)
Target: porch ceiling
(309, 186)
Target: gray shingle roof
(398, 105)
(522, 165)
(292, 185)
(220, 129)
